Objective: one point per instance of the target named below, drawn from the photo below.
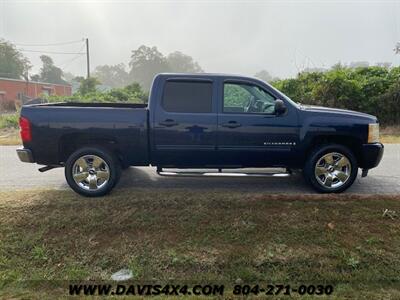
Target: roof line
(31, 81)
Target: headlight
(373, 133)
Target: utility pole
(87, 58)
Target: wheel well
(72, 142)
(353, 143)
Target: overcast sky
(223, 36)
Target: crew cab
(200, 121)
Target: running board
(47, 168)
(220, 174)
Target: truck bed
(57, 127)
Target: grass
(9, 120)
(9, 136)
(390, 135)
(390, 139)
(48, 237)
(9, 132)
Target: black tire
(318, 153)
(113, 171)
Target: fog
(282, 37)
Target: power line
(84, 42)
(67, 62)
(49, 44)
(65, 65)
(49, 52)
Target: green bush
(374, 90)
(9, 121)
(129, 94)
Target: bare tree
(397, 48)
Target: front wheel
(331, 168)
(92, 172)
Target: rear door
(185, 123)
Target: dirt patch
(9, 136)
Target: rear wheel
(331, 168)
(92, 172)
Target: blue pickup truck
(200, 121)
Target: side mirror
(280, 107)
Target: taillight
(25, 132)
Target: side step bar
(47, 168)
(220, 174)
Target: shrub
(374, 90)
(9, 121)
(129, 94)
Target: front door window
(247, 98)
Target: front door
(249, 131)
(184, 132)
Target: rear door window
(187, 97)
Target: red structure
(12, 90)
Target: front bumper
(25, 155)
(371, 155)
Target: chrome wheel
(90, 172)
(332, 170)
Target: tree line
(13, 64)
(357, 86)
(370, 89)
(144, 63)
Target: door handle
(168, 123)
(231, 124)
